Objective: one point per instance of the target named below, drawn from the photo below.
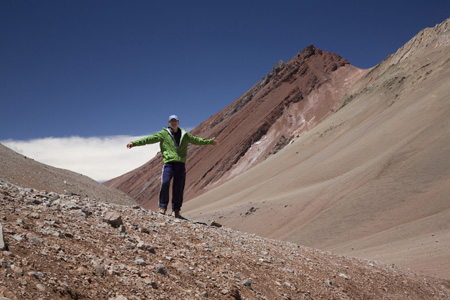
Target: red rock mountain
(371, 180)
(291, 99)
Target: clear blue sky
(102, 68)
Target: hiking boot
(162, 211)
(176, 214)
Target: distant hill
(21, 170)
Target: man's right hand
(130, 145)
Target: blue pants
(177, 171)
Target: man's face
(174, 124)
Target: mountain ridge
(251, 124)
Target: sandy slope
(372, 180)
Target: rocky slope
(372, 180)
(24, 171)
(291, 99)
(55, 246)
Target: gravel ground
(59, 246)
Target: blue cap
(173, 117)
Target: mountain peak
(308, 51)
(331, 61)
(278, 107)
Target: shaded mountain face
(370, 180)
(24, 171)
(293, 98)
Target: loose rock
(71, 256)
(140, 262)
(2, 239)
(161, 269)
(113, 218)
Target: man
(173, 142)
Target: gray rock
(113, 218)
(144, 230)
(53, 196)
(40, 275)
(140, 262)
(141, 245)
(215, 224)
(68, 235)
(120, 297)
(36, 201)
(86, 212)
(100, 270)
(3, 245)
(247, 282)
(34, 239)
(40, 287)
(17, 238)
(161, 269)
(37, 275)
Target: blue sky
(98, 69)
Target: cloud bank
(101, 158)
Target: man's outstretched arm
(151, 139)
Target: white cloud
(101, 158)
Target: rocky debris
(251, 210)
(58, 252)
(281, 143)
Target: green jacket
(169, 149)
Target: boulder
(113, 218)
